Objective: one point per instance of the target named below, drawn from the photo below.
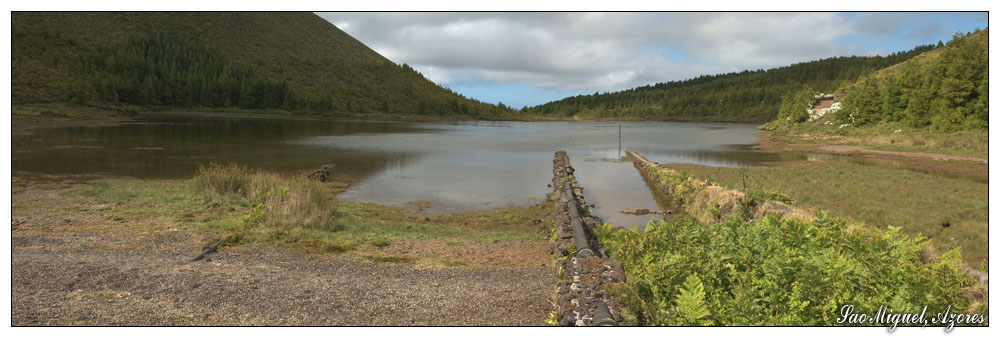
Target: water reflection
(457, 166)
(158, 146)
(481, 165)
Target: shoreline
(773, 142)
(65, 114)
(110, 251)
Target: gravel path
(67, 278)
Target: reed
(279, 200)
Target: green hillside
(943, 90)
(288, 61)
(747, 96)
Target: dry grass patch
(279, 200)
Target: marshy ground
(925, 184)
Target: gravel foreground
(68, 278)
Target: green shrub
(380, 243)
(278, 200)
(795, 105)
(778, 272)
(770, 195)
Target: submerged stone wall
(583, 268)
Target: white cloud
(737, 41)
(613, 51)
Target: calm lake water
(456, 166)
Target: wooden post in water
(619, 140)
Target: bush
(795, 106)
(281, 201)
(778, 272)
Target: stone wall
(706, 203)
(583, 268)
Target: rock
(322, 174)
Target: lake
(455, 165)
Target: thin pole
(619, 140)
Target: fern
(552, 319)
(691, 302)
(780, 272)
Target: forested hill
(289, 61)
(943, 90)
(748, 96)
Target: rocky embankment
(705, 202)
(584, 269)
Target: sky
(527, 59)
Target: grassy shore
(242, 206)
(889, 137)
(945, 200)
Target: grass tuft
(278, 200)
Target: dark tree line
(160, 70)
(747, 96)
(174, 70)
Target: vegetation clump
(771, 271)
(795, 106)
(279, 200)
(279, 208)
(289, 209)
